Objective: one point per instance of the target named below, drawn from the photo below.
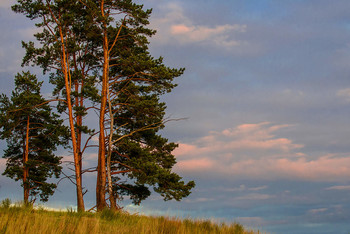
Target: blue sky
(267, 96)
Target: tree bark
(112, 198)
(79, 120)
(25, 168)
(77, 161)
(101, 167)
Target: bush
(6, 203)
(109, 215)
(238, 228)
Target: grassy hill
(19, 219)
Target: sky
(266, 97)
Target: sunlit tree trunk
(25, 168)
(101, 167)
(77, 160)
(112, 198)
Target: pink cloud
(322, 169)
(202, 33)
(254, 150)
(2, 161)
(180, 29)
(250, 137)
(279, 143)
(326, 167)
(184, 149)
(185, 31)
(195, 164)
(6, 4)
(2, 165)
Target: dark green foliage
(45, 134)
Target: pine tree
(32, 132)
(99, 49)
(132, 81)
(67, 51)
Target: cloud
(2, 165)
(245, 137)
(317, 211)
(6, 3)
(255, 196)
(199, 199)
(242, 188)
(219, 34)
(344, 93)
(195, 164)
(258, 188)
(255, 151)
(339, 187)
(174, 26)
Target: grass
(22, 219)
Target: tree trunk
(112, 199)
(77, 160)
(25, 168)
(101, 167)
(79, 120)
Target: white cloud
(255, 196)
(258, 188)
(254, 151)
(339, 187)
(175, 26)
(317, 211)
(200, 199)
(242, 188)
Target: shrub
(6, 203)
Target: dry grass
(26, 220)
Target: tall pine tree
(68, 52)
(132, 155)
(99, 49)
(32, 132)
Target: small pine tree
(32, 132)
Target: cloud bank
(255, 151)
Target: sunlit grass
(25, 219)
